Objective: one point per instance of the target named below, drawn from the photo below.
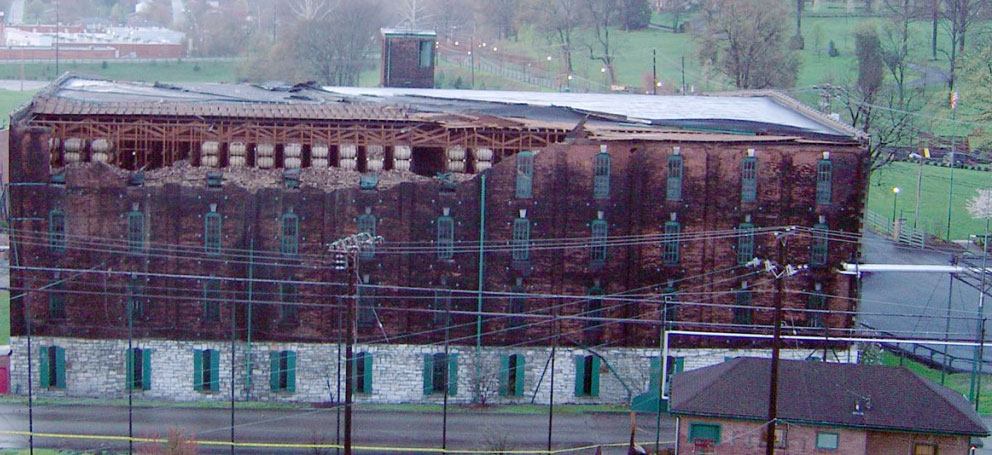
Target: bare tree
(558, 19)
(501, 16)
(978, 70)
(310, 10)
(676, 8)
(747, 41)
(959, 16)
(413, 12)
(602, 15)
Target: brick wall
(401, 63)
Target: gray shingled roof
(890, 398)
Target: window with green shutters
(288, 298)
(743, 311)
(674, 182)
(282, 371)
(56, 231)
(824, 182)
(362, 369)
(601, 176)
(139, 369)
(135, 297)
(525, 175)
(290, 234)
(366, 307)
(749, 180)
(597, 248)
(586, 376)
(440, 373)
(670, 246)
(212, 229)
(135, 231)
(511, 375)
(56, 299)
(816, 302)
(745, 243)
(211, 300)
(445, 238)
(206, 370)
(821, 244)
(51, 367)
(704, 434)
(366, 224)
(518, 306)
(674, 365)
(521, 240)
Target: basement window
(525, 175)
(440, 374)
(282, 371)
(824, 181)
(601, 176)
(597, 248)
(511, 375)
(670, 246)
(521, 240)
(745, 243)
(586, 376)
(362, 370)
(445, 238)
(206, 370)
(749, 180)
(139, 369)
(51, 367)
(674, 181)
(56, 231)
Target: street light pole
(895, 199)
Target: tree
(747, 41)
(978, 70)
(501, 16)
(558, 19)
(676, 8)
(871, 70)
(636, 14)
(602, 15)
(959, 16)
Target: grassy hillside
(165, 71)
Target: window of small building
(674, 182)
(703, 434)
(366, 224)
(601, 176)
(288, 299)
(51, 367)
(586, 376)
(290, 234)
(282, 371)
(816, 302)
(511, 375)
(135, 230)
(56, 231)
(426, 54)
(819, 251)
(440, 373)
(597, 248)
(445, 238)
(925, 449)
(824, 181)
(745, 243)
(211, 300)
(521, 240)
(743, 311)
(749, 180)
(139, 369)
(206, 370)
(362, 372)
(827, 440)
(525, 174)
(670, 245)
(212, 223)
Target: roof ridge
(947, 393)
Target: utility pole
(654, 71)
(919, 183)
(346, 252)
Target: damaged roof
(766, 114)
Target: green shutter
(129, 376)
(655, 373)
(520, 375)
(504, 375)
(146, 369)
(367, 384)
(290, 371)
(43, 366)
(428, 374)
(453, 374)
(274, 371)
(59, 367)
(197, 370)
(594, 388)
(679, 364)
(580, 373)
(214, 371)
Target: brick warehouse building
(164, 210)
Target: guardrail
(899, 232)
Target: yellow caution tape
(281, 445)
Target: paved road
(378, 428)
(915, 304)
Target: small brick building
(408, 58)
(177, 214)
(847, 409)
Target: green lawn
(933, 196)
(959, 382)
(11, 100)
(164, 71)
